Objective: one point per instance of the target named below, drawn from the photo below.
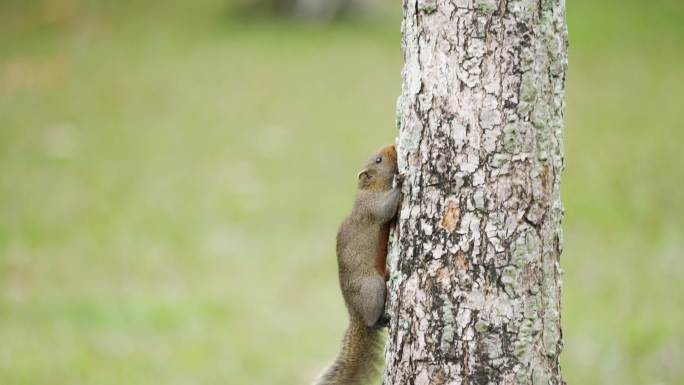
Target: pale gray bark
(474, 260)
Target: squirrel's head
(380, 170)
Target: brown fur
(361, 255)
(381, 255)
(358, 360)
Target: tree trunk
(474, 260)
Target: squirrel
(361, 258)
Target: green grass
(171, 179)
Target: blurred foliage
(321, 11)
(171, 179)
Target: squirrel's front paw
(398, 180)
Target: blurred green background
(172, 175)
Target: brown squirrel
(361, 257)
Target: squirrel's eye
(378, 159)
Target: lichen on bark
(474, 260)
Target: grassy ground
(171, 179)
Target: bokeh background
(172, 174)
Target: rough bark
(475, 276)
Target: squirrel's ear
(365, 177)
(365, 174)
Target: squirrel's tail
(359, 359)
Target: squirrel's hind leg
(371, 303)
